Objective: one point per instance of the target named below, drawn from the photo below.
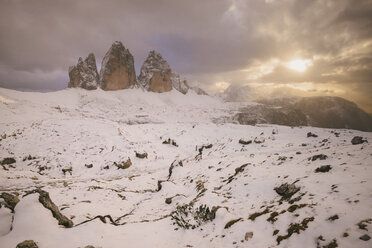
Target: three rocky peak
(117, 72)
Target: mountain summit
(84, 74)
(117, 71)
(155, 74)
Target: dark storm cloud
(208, 41)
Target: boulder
(8, 161)
(287, 190)
(27, 244)
(358, 140)
(155, 74)
(84, 74)
(117, 71)
(10, 201)
(323, 168)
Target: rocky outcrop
(117, 71)
(84, 74)
(155, 74)
(45, 200)
(198, 91)
(10, 200)
(179, 84)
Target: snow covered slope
(198, 186)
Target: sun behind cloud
(298, 64)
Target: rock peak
(117, 71)
(117, 43)
(84, 74)
(155, 73)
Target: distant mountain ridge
(316, 111)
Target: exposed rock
(124, 165)
(332, 244)
(170, 141)
(333, 217)
(89, 166)
(209, 146)
(310, 134)
(363, 224)
(117, 71)
(319, 156)
(84, 74)
(179, 84)
(232, 222)
(323, 168)
(248, 235)
(47, 203)
(168, 200)
(155, 74)
(358, 140)
(141, 155)
(253, 216)
(69, 170)
(27, 244)
(293, 208)
(295, 228)
(29, 157)
(10, 201)
(287, 190)
(8, 161)
(259, 140)
(365, 237)
(245, 142)
(160, 82)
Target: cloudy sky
(271, 47)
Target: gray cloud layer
(209, 41)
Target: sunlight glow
(299, 64)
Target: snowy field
(203, 189)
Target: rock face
(84, 74)
(179, 84)
(155, 74)
(117, 71)
(160, 82)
